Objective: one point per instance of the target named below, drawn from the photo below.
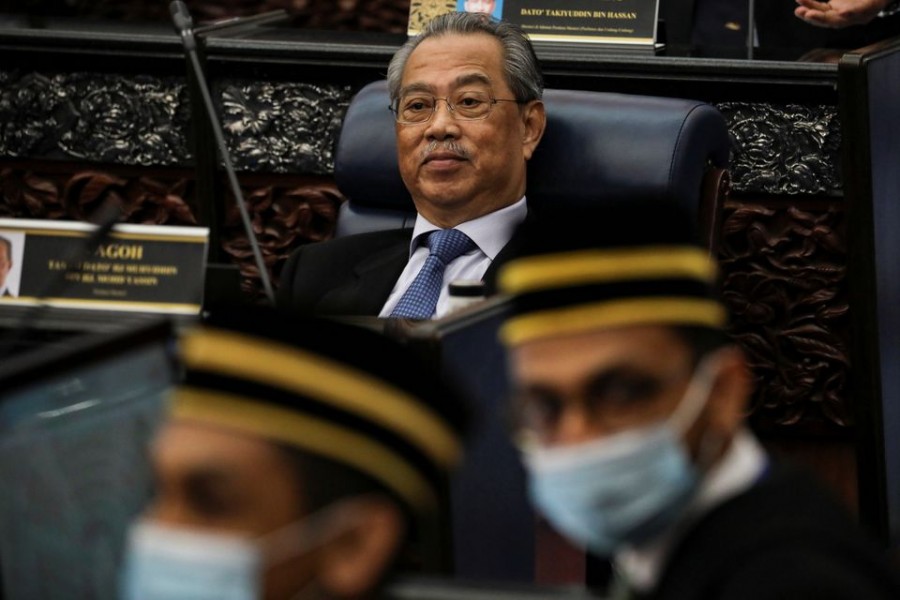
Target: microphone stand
(751, 28)
(184, 26)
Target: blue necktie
(420, 299)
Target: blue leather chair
(598, 147)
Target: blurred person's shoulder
(786, 537)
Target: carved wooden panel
(353, 15)
(285, 214)
(286, 211)
(784, 149)
(278, 127)
(148, 199)
(128, 120)
(282, 127)
(785, 269)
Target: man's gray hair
(520, 62)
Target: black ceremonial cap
(628, 263)
(339, 391)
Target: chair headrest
(596, 145)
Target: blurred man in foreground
(297, 458)
(629, 408)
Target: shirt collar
(490, 232)
(740, 467)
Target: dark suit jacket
(354, 275)
(783, 538)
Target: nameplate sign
(145, 268)
(612, 22)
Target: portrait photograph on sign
(12, 244)
(489, 7)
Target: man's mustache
(446, 146)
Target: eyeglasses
(469, 105)
(617, 400)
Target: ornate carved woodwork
(285, 214)
(286, 211)
(355, 15)
(146, 199)
(282, 127)
(784, 149)
(784, 278)
(94, 117)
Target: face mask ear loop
(696, 396)
(308, 533)
(710, 447)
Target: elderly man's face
(5, 263)
(459, 170)
(480, 6)
(576, 388)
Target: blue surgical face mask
(174, 563)
(167, 563)
(625, 488)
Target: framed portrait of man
(490, 7)
(12, 245)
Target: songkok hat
(632, 263)
(338, 391)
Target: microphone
(181, 17)
(184, 24)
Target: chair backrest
(597, 147)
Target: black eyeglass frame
(394, 107)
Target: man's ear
(730, 392)
(534, 120)
(354, 563)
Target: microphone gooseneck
(183, 22)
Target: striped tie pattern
(420, 299)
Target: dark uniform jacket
(785, 538)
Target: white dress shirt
(490, 233)
(740, 467)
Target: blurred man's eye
(210, 497)
(622, 391)
(538, 412)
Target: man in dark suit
(629, 403)
(5, 266)
(466, 94)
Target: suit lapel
(509, 251)
(371, 281)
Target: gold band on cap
(601, 265)
(354, 391)
(612, 313)
(309, 433)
